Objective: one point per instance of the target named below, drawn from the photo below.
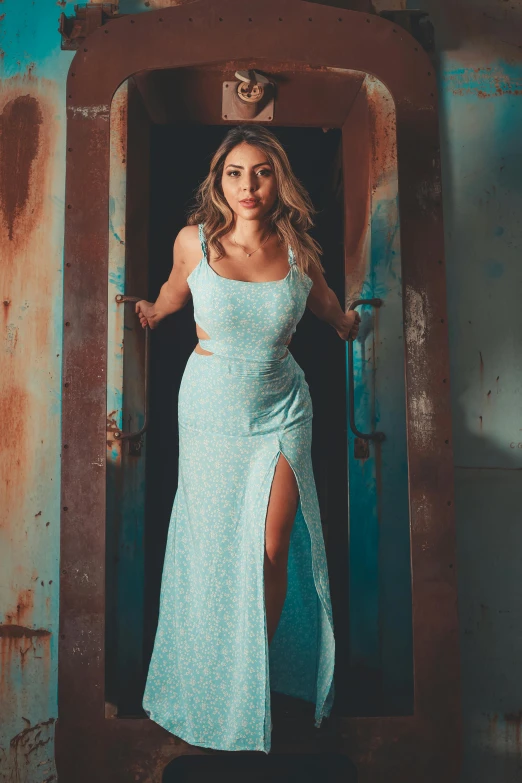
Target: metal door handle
(115, 431)
(376, 436)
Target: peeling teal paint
(491, 81)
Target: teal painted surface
(380, 576)
(481, 117)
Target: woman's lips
(249, 203)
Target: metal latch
(251, 97)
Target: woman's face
(248, 182)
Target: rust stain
(29, 750)
(18, 638)
(14, 411)
(383, 131)
(11, 338)
(22, 614)
(483, 82)
(514, 723)
(21, 632)
(156, 4)
(20, 123)
(28, 130)
(29, 133)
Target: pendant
(248, 255)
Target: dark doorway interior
(180, 158)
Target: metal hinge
(417, 23)
(74, 29)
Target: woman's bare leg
(282, 505)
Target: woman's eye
(233, 173)
(264, 172)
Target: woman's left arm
(325, 305)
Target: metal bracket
(112, 427)
(377, 437)
(417, 23)
(251, 98)
(75, 29)
(361, 448)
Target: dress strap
(291, 258)
(202, 239)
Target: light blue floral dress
(211, 670)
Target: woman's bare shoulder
(187, 248)
(188, 239)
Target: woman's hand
(324, 303)
(147, 314)
(348, 325)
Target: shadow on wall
(459, 22)
(261, 768)
(489, 541)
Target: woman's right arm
(175, 292)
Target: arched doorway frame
(424, 745)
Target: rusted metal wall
(479, 61)
(480, 67)
(32, 166)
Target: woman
(245, 553)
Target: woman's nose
(249, 184)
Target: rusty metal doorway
(325, 57)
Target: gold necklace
(257, 248)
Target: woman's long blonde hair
(290, 217)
